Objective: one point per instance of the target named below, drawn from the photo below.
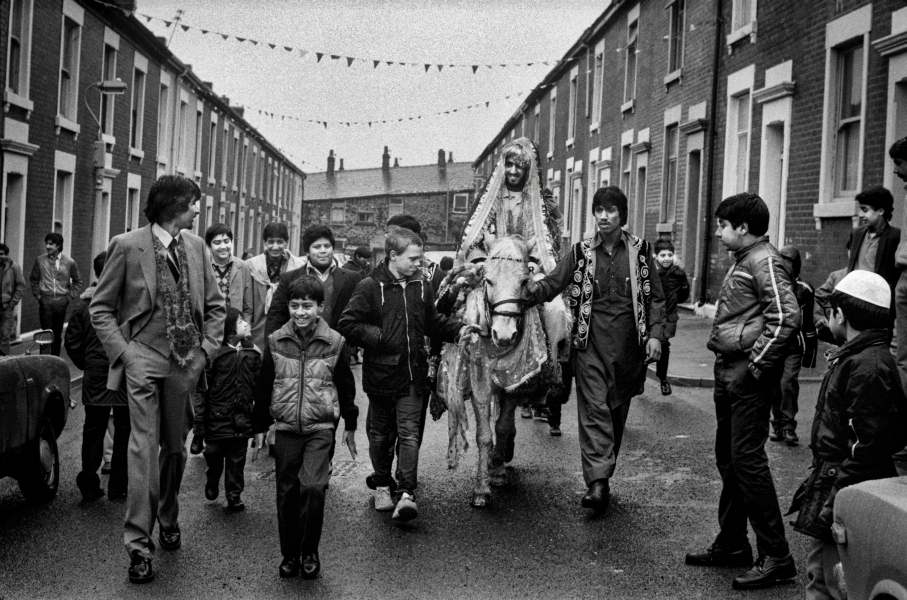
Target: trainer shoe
(383, 500)
(790, 437)
(777, 435)
(406, 509)
(526, 412)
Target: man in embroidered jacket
(618, 309)
(159, 314)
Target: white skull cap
(866, 286)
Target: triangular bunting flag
(255, 42)
(440, 67)
(148, 18)
(427, 67)
(335, 57)
(318, 55)
(225, 36)
(474, 69)
(325, 123)
(168, 23)
(239, 39)
(204, 31)
(376, 63)
(349, 61)
(502, 66)
(272, 46)
(302, 53)
(486, 103)
(390, 62)
(369, 123)
(185, 27)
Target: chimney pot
(386, 159)
(441, 158)
(341, 165)
(396, 162)
(330, 162)
(450, 156)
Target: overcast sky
(448, 32)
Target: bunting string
(321, 56)
(325, 123)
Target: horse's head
(506, 270)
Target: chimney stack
(330, 163)
(386, 159)
(441, 158)
(341, 165)
(450, 156)
(396, 162)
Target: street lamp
(109, 87)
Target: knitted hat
(866, 286)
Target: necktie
(172, 261)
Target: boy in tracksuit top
(800, 352)
(755, 316)
(307, 386)
(861, 416)
(389, 315)
(226, 409)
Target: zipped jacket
(757, 312)
(49, 281)
(12, 284)
(305, 388)
(861, 420)
(232, 382)
(390, 320)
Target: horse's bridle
(491, 310)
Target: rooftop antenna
(176, 22)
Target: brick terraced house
(62, 171)
(682, 103)
(356, 203)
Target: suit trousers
(227, 456)
(742, 406)
(160, 393)
(302, 464)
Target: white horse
(501, 365)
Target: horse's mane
(512, 247)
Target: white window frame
(632, 47)
(225, 155)
(64, 163)
(535, 125)
(111, 43)
(668, 211)
(394, 207)
(363, 213)
(21, 97)
(163, 119)
(626, 162)
(182, 131)
(338, 206)
(212, 149)
(133, 184)
(199, 137)
(137, 100)
(676, 30)
(573, 106)
(598, 72)
(739, 83)
(68, 116)
(254, 185)
(234, 160)
(552, 121)
(841, 33)
(742, 25)
(460, 204)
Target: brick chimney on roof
(396, 162)
(330, 163)
(441, 158)
(386, 159)
(341, 165)
(450, 156)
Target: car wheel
(40, 474)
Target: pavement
(692, 364)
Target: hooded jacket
(12, 284)
(805, 338)
(87, 353)
(861, 420)
(390, 320)
(232, 383)
(757, 312)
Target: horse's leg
(453, 425)
(505, 433)
(481, 495)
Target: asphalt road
(535, 541)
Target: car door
(14, 413)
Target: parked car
(34, 405)
(870, 529)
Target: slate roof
(363, 183)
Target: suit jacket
(240, 288)
(126, 293)
(344, 284)
(888, 244)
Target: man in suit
(159, 314)
(318, 243)
(874, 243)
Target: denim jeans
(384, 414)
(52, 315)
(784, 404)
(742, 406)
(302, 464)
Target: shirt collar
(322, 276)
(163, 235)
(597, 240)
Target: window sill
(628, 105)
(570, 143)
(162, 159)
(748, 30)
(198, 175)
(11, 97)
(550, 155)
(180, 170)
(664, 227)
(235, 189)
(62, 122)
(136, 153)
(109, 139)
(673, 76)
(594, 127)
(839, 208)
(212, 182)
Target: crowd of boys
(276, 335)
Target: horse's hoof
(479, 501)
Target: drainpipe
(710, 178)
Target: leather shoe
(665, 387)
(555, 431)
(211, 491)
(170, 539)
(198, 444)
(140, 570)
(116, 493)
(767, 571)
(777, 435)
(311, 565)
(235, 504)
(598, 497)
(719, 556)
(790, 437)
(289, 567)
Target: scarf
(259, 269)
(182, 333)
